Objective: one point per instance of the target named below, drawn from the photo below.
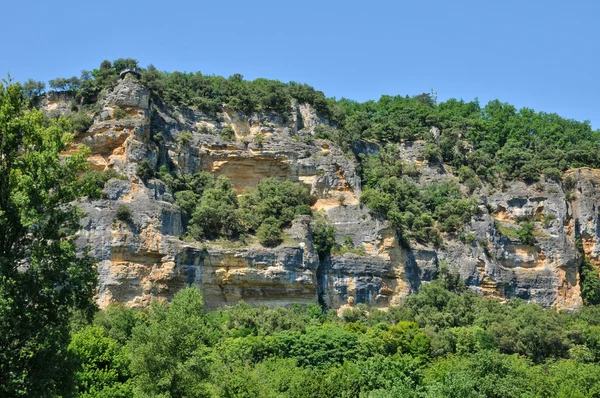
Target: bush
(123, 213)
(527, 233)
(184, 138)
(273, 198)
(216, 215)
(227, 133)
(432, 153)
(323, 238)
(119, 114)
(590, 283)
(552, 173)
(94, 181)
(81, 122)
(144, 170)
(269, 232)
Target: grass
(340, 250)
(509, 232)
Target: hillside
(380, 196)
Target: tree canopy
(42, 279)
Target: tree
(70, 84)
(169, 356)
(216, 214)
(269, 232)
(323, 238)
(590, 283)
(42, 279)
(103, 366)
(33, 89)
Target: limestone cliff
(146, 258)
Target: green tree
(216, 214)
(33, 89)
(323, 238)
(42, 279)
(103, 366)
(169, 355)
(269, 232)
(590, 283)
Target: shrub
(216, 213)
(227, 133)
(144, 170)
(569, 183)
(526, 233)
(259, 139)
(81, 122)
(548, 218)
(123, 213)
(323, 238)
(432, 152)
(119, 114)
(590, 283)
(184, 138)
(94, 181)
(552, 173)
(269, 232)
(273, 198)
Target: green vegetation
(184, 138)
(123, 213)
(119, 114)
(484, 144)
(444, 341)
(42, 279)
(227, 133)
(144, 170)
(81, 122)
(419, 213)
(215, 210)
(269, 232)
(526, 233)
(323, 238)
(348, 247)
(507, 231)
(590, 283)
(495, 141)
(93, 182)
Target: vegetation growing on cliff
(484, 144)
(439, 342)
(215, 210)
(495, 141)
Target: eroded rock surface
(144, 257)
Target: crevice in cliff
(322, 272)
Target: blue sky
(539, 54)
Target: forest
(444, 341)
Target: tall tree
(42, 279)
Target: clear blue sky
(539, 54)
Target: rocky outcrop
(144, 257)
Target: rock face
(145, 258)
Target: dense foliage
(438, 343)
(215, 210)
(42, 279)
